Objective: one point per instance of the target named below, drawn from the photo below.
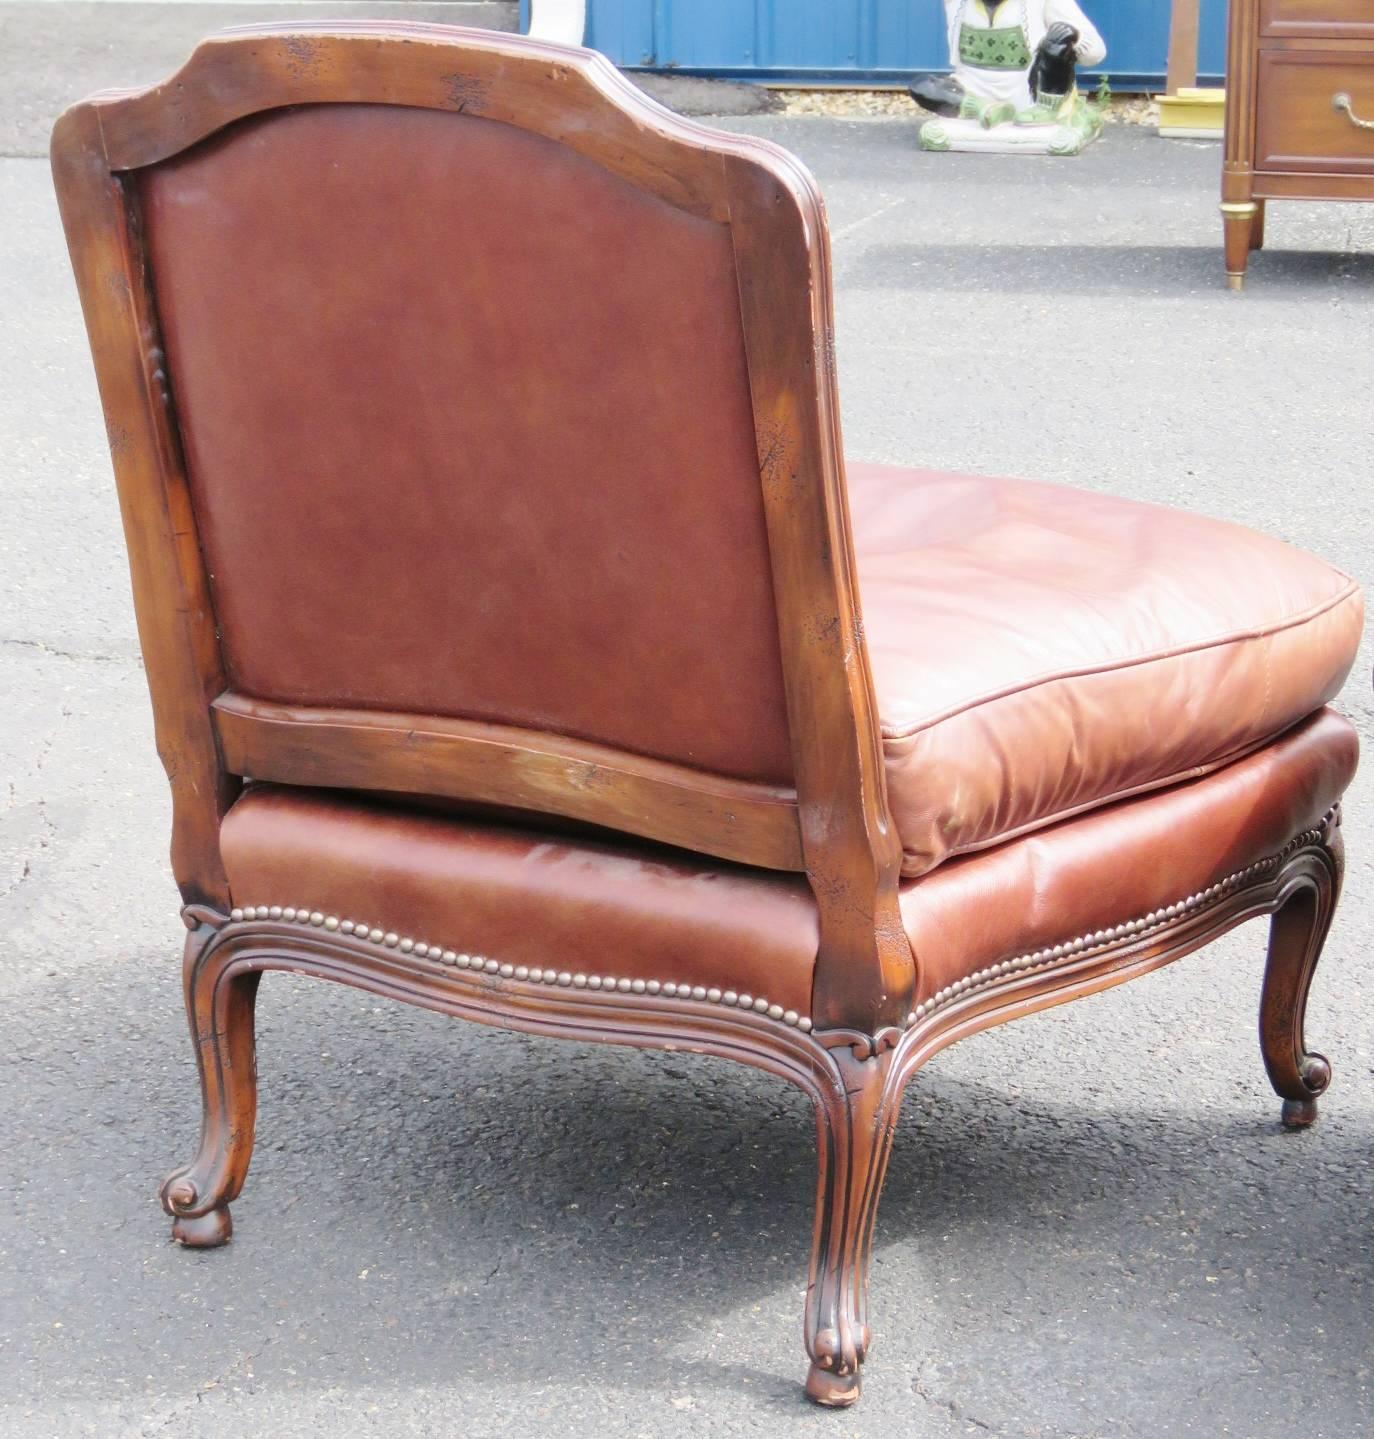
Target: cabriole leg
(854, 1135)
(1297, 933)
(220, 1009)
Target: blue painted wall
(857, 39)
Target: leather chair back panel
(476, 410)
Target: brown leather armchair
(498, 578)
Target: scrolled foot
(204, 1231)
(207, 1229)
(831, 1390)
(1316, 1075)
(1298, 1113)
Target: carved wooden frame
(855, 1080)
(863, 1040)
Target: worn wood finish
(176, 626)
(862, 1042)
(499, 764)
(865, 973)
(1289, 133)
(855, 1080)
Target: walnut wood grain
(499, 764)
(176, 625)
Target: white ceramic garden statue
(1014, 86)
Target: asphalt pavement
(1093, 1227)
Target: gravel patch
(898, 105)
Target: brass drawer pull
(1343, 102)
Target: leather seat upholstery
(523, 897)
(1038, 651)
(640, 912)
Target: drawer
(1326, 19)
(1299, 126)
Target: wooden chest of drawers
(1299, 112)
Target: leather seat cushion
(634, 911)
(1038, 651)
(1125, 861)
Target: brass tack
(406, 945)
(288, 913)
(637, 986)
(506, 971)
(761, 1005)
(564, 978)
(790, 1016)
(330, 923)
(714, 995)
(670, 989)
(236, 915)
(274, 912)
(449, 956)
(775, 1011)
(623, 985)
(653, 986)
(593, 981)
(746, 1001)
(316, 918)
(804, 1024)
(579, 980)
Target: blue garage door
(856, 40)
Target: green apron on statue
(1004, 49)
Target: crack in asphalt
(129, 661)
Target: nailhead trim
(1103, 938)
(476, 963)
(1026, 963)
